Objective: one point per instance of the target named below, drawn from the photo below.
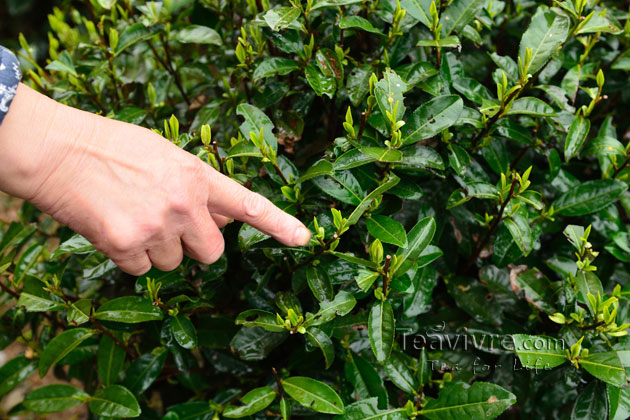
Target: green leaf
(591, 403)
(430, 118)
(352, 159)
(343, 186)
(80, 311)
(318, 4)
(281, 17)
(531, 106)
(382, 154)
(129, 310)
(60, 346)
(366, 380)
(341, 305)
(419, 237)
(145, 370)
(77, 245)
(54, 398)
(576, 136)
(366, 278)
(606, 367)
(537, 289)
(389, 94)
(272, 66)
(421, 157)
(387, 230)
(322, 85)
(318, 338)
(358, 83)
(356, 214)
(521, 232)
(63, 64)
(459, 14)
(13, 372)
(588, 282)
(319, 282)
(114, 401)
(313, 394)
(618, 402)
(256, 343)
(136, 33)
(184, 331)
(255, 120)
(450, 41)
(424, 368)
(110, 359)
(589, 197)
(259, 318)
(382, 329)
(400, 374)
(35, 299)
(357, 22)
(368, 409)
(26, 262)
(604, 146)
(481, 401)
(473, 90)
(539, 352)
(546, 32)
(418, 9)
(254, 401)
(198, 34)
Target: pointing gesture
(138, 198)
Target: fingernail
(301, 236)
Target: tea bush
(463, 166)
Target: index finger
(231, 199)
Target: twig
(388, 261)
(9, 290)
(495, 223)
(119, 343)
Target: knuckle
(255, 206)
(216, 252)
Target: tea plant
(463, 167)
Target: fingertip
(301, 236)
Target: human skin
(133, 194)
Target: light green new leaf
(341, 305)
(381, 329)
(313, 394)
(259, 318)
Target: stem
(317, 254)
(493, 226)
(172, 70)
(119, 343)
(362, 126)
(277, 378)
(388, 261)
(8, 290)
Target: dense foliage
(463, 166)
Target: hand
(138, 198)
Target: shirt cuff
(10, 76)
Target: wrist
(36, 136)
